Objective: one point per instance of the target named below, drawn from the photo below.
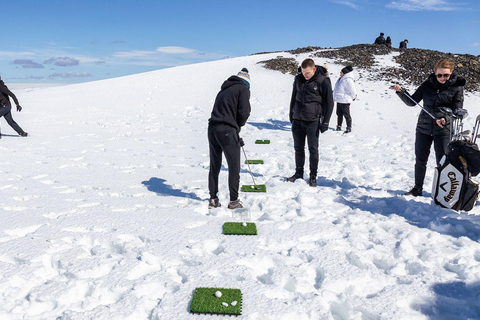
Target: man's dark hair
(308, 63)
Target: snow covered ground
(104, 207)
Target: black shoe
(339, 128)
(24, 134)
(235, 204)
(294, 177)
(416, 191)
(348, 130)
(214, 203)
(313, 181)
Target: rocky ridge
(415, 64)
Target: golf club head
(461, 113)
(446, 110)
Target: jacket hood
(233, 80)
(320, 71)
(348, 75)
(454, 81)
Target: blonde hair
(444, 64)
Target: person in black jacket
(380, 39)
(311, 107)
(230, 112)
(443, 88)
(388, 42)
(403, 44)
(6, 108)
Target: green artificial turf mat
(262, 141)
(254, 161)
(237, 228)
(254, 188)
(205, 301)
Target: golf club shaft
(248, 164)
(431, 115)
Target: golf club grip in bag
(452, 187)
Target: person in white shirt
(344, 94)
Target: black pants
(7, 114)
(343, 110)
(309, 130)
(423, 143)
(223, 138)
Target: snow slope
(104, 207)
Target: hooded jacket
(345, 91)
(435, 95)
(312, 99)
(4, 95)
(232, 105)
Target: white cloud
(424, 5)
(475, 44)
(134, 54)
(8, 55)
(346, 3)
(174, 50)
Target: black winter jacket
(312, 99)
(4, 95)
(232, 105)
(436, 95)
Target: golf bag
(452, 186)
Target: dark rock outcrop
(414, 64)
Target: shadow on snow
(453, 300)
(422, 215)
(159, 186)
(272, 124)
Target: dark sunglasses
(447, 75)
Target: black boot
(348, 130)
(295, 177)
(313, 181)
(339, 128)
(416, 191)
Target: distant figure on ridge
(380, 39)
(311, 107)
(388, 42)
(6, 108)
(443, 88)
(344, 94)
(403, 44)
(230, 112)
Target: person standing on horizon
(344, 94)
(6, 108)
(230, 112)
(403, 44)
(380, 39)
(388, 42)
(311, 107)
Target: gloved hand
(19, 108)
(241, 142)
(324, 127)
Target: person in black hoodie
(6, 108)
(311, 107)
(230, 112)
(380, 39)
(443, 88)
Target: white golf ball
(244, 224)
(225, 304)
(218, 294)
(234, 303)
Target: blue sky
(64, 41)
